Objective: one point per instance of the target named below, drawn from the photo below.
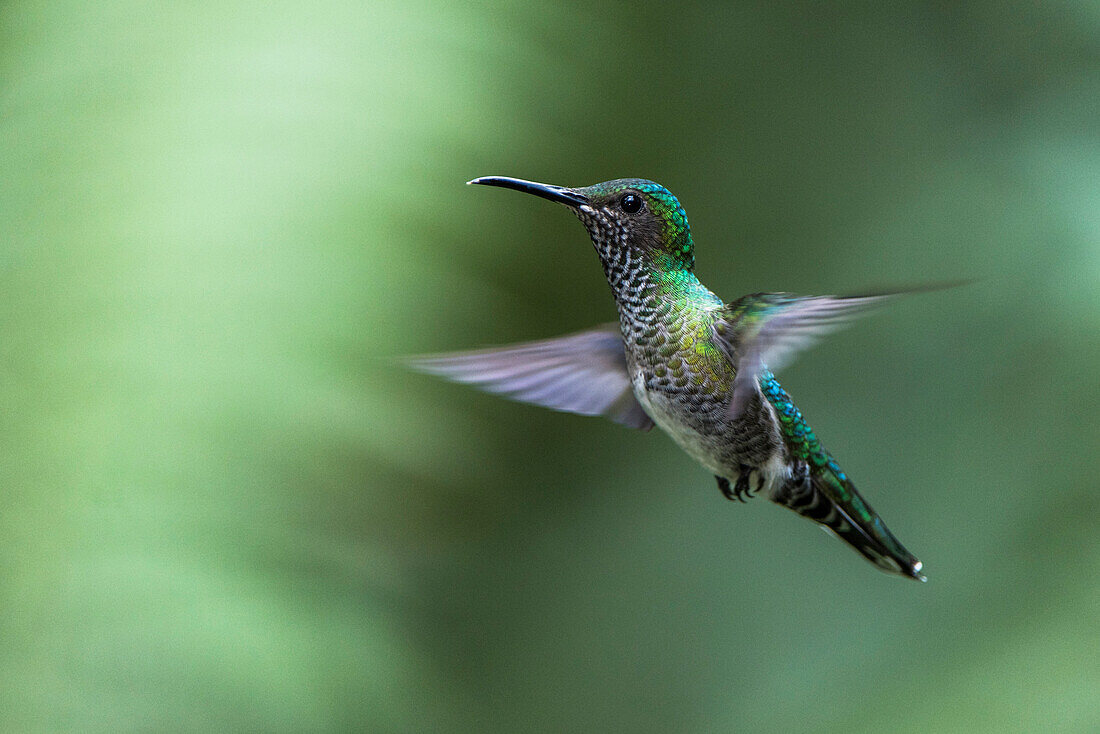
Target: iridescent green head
(623, 217)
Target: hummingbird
(682, 359)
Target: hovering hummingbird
(681, 358)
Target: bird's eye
(631, 203)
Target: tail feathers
(831, 500)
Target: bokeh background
(226, 509)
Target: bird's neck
(647, 292)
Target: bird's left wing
(766, 330)
(581, 373)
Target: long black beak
(560, 194)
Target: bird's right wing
(765, 331)
(581, 373)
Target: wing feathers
(581, 373)
(766, 331)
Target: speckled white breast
(698, 446)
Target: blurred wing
(766, 331)
(581, 373)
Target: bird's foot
(724, 485)
(742, 488)
(739, 490)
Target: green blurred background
(224, 508)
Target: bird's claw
(740, 490)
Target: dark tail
(826, 496)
